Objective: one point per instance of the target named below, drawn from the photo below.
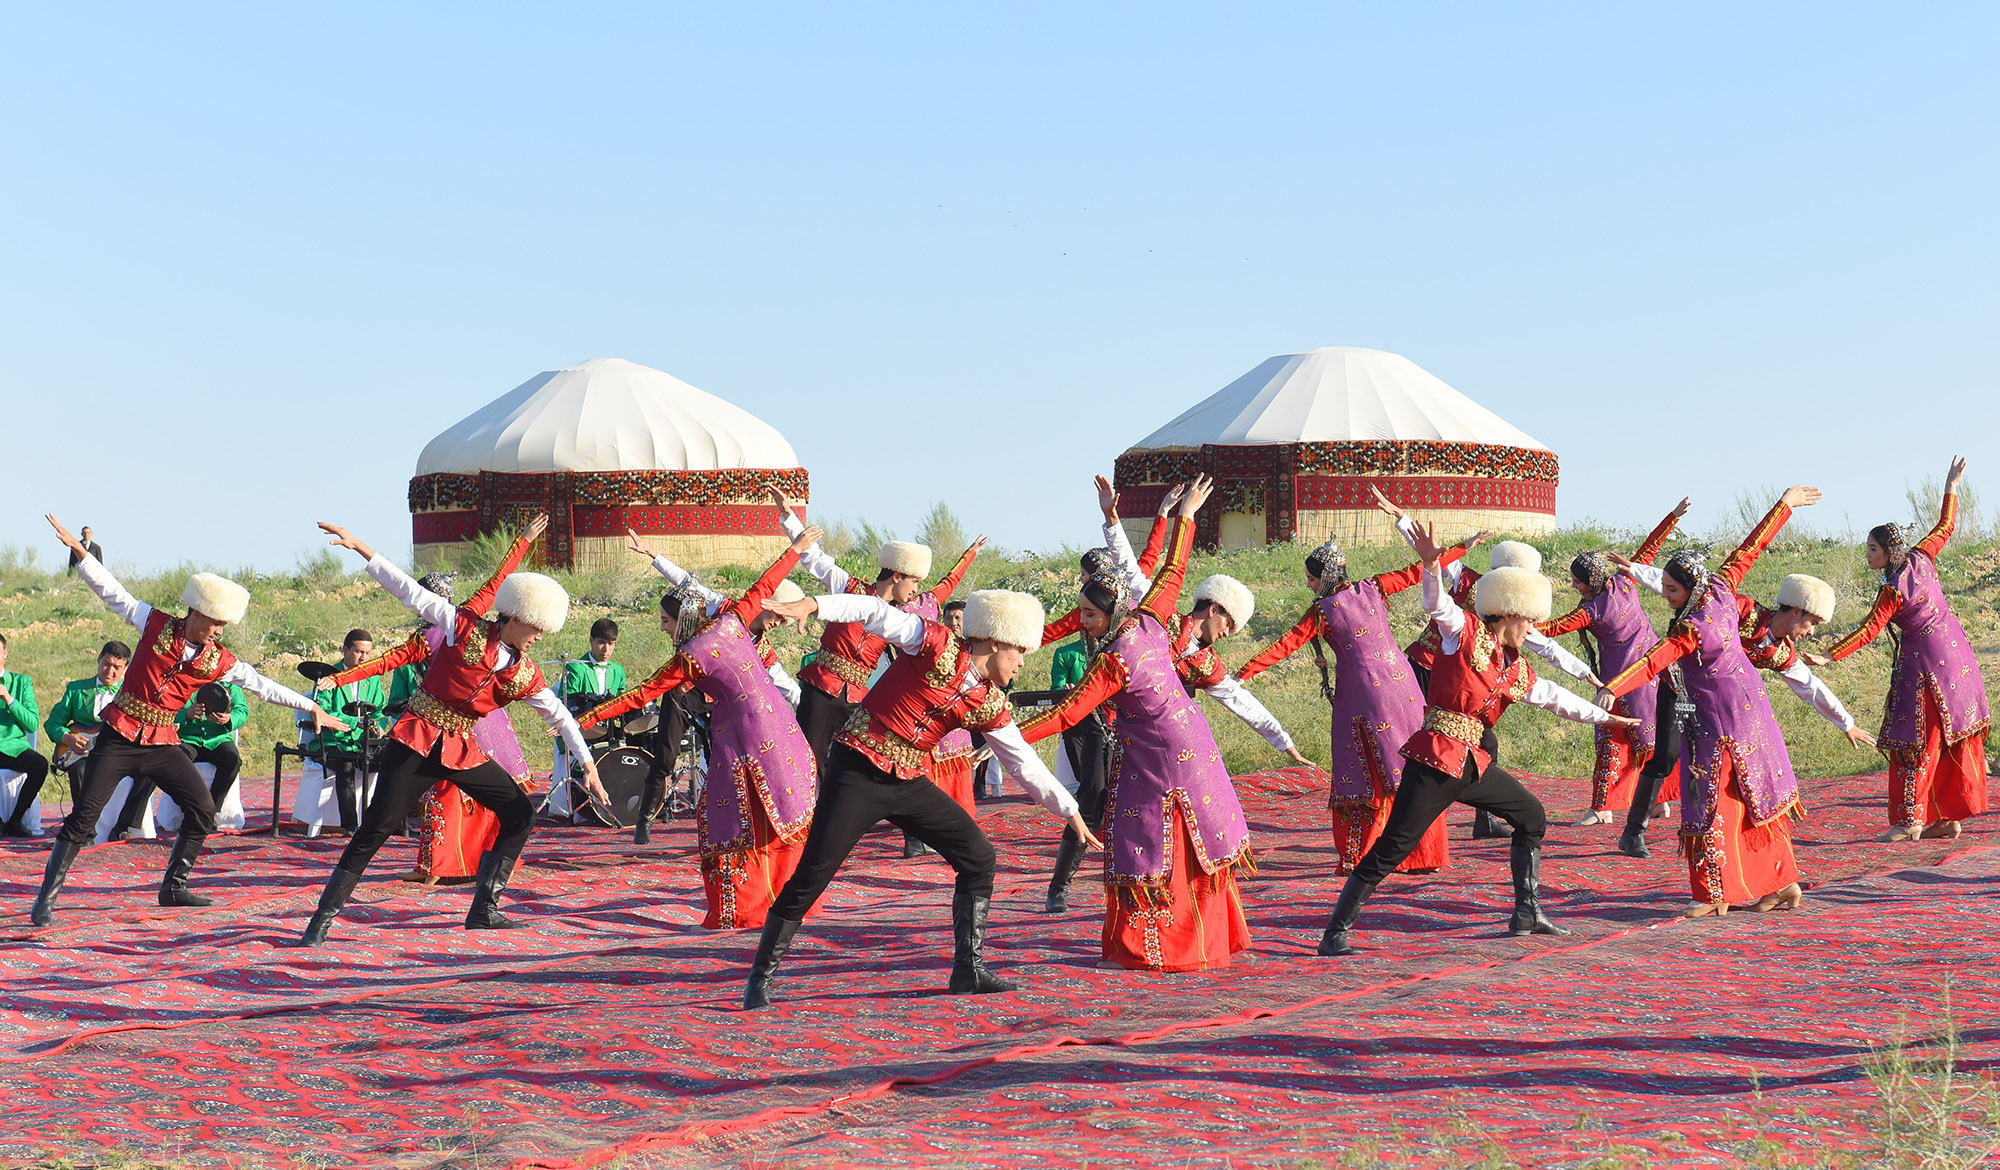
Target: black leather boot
(914, 848)
(969, 975)
(495, 872)
(338, 887)
(52, 883)
(771, 948)
(1484, 827)
(1353, 896)
(1528, 919)
(1069, 859)
(1632, 843)
(174, 885)
(642, 832)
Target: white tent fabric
(606, 414)
(1332, 393)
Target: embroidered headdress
(1895, 542)
(693, 617)
(441, 584)
(1689, 566)
(1593, 568)
(1329, 564)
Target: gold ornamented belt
(844, 669)
(862, 733)
(143, 711)
(447, 719)
(1456, 724)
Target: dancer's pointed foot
(1899, 833)
(1705, 910)
(1660, 811)
(1943, 830)
(1595, 816)
(1785, 899)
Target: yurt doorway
(1239, 530)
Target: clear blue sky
(253, 258)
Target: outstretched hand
(1476, 539)
(1083, 831)
(1799, 495)
(1383, 505)
(978, 546)
(638, 545)
(536, 527)
(1619, 559)
(1299, 758)
(779, 499)
(1622, 722)
(797, 611)
(342, 538)
(1957, 473)
(323, 721)
(593, 785)
(1173, 496)
(1860, 738)
(1426, 543)
(1681, 509)
(63, 534)
(1197, 494)
(807, 538)
(1107, 499)
(1815, 660)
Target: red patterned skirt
(1940, 782)
(953, 774)
(1738, 861)
(1355, 827)
(741, 886)
(453, 833)
(1194, 924)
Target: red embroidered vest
(1778, 654)
(1423, 653)
(461, 686)
(917, 702)
(848, 655)
(1199, 666)
(1470, 690)
(158, 684)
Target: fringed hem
(1157, 893)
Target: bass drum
(622, 771)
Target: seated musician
(597, 674)
(72, 725)
(17, 749)
(340, 751)
(208, 727)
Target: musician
(208, 728)
(17, 750)
(72, 725)
(340, 751)
(87, 545)
(597, 674)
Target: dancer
(481, 666)
(1934, 723)
(762, 778)
(1478, 674)
(1737, 785)
(1175, 833)
(176, 656)
(686, 583)
(1611, 623)
(877, 764)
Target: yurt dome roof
(606, 414)
(1336, 392)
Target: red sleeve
(1104, 678)
(1569, 623)
(1887, 602)
(1164, 598)
(482, 601)
(1062, 627)
(1677, 644)
(1396, 580)
(674, 674)
(1650, 547)
(1156, 540)
(943, 589)
(752, 603)
(1738, 565)
(412, 651)
(1287, 644)
(1934, 544)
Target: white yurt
(1296, 443)
(602, 446)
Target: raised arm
(949, 583)
(113, 594)
(752, 603)
(1062, 627)
(1288, 644)
(1101, 680)
(675, 673)
(1933, 543)
(481, 602)
(1888, 600)
(414, 649)
(1678, 644)
(815, 560)
(1650, 547)
(1449, 617)
(1738, 565)
(1137, 579)
(1396, 580)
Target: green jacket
(198, 732)
(580, 678)
(77, 709)
(368, 690)
(1067, 667)
(17, 719)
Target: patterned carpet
(609, 1029)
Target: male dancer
(175, 657)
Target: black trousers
(854, 797)
(34, 769)
(113, 756)
(402, 778)
(665, 743)
(1425, 793)
(821, 716)
(1089, 750)
(228, 764)
(1668, 742)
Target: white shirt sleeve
(1550, 697)
(681, 578)
(1244, 705)
(786, 684)
(433, 609)
(1807, 685)
(1449, 618)
(556, 715)
(1651, 576)
(271, 692)
(1019, 760)
(1128, 561)
(905, 631)
(814, 560)
(1564, 661)
(111, 593)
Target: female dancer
(1612, 624)
(762, 778)
(1737, 784)
(1934, 725)
(1176, 834)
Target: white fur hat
(535, 599)
(1518, 555)
(906, 557)
(1513, 591)
(216, 597)
(787, 591)
(1232, 595)
(1005, 616)
(1811, 594)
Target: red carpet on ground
(609, 1029)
